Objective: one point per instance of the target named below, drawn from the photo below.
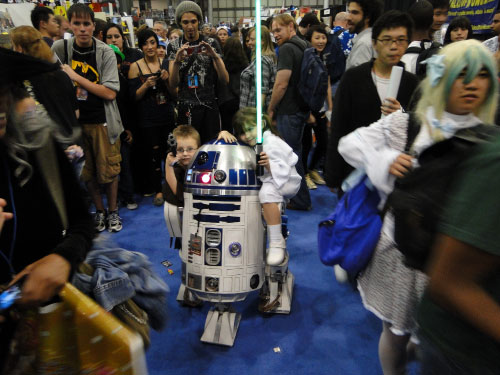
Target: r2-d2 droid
(223, 238)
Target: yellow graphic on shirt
(85, 70)
(60, 11)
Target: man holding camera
(195, 64)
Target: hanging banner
(479, 12)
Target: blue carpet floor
(327, 332)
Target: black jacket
(357, 104)
(39, 226)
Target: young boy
(188, 141)
(162, 49)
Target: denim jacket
(121, 274)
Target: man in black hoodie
(360, 98)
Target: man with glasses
(195, 65)
(362, 14)
(360, 99)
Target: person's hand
(74, 152)
(164, 75)
(128, 137)
(44, 279)
(226, 136)
(4, 216)
(171, 159)
(401, 165)
(264, 161)
(70, 72)
(208, 50)
(150, 81)
(181, 53)
(389, 106)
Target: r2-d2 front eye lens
(202, 158)
(219, 176)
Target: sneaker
(316, 177)
(158, 201)
(130, 203)
(309, 182)
(114, 222)
(100, 221)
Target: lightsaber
(258, 86)
(258, 71)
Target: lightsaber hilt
(260, 168)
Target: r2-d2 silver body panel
(223, 236)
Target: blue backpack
(348, 236)
(313, 83)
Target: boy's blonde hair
(187, 131)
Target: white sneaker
(276, 253)
(114, 222)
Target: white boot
(276, 253)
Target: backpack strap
(412, 132)
(338, 32)
(65, 51)
(297, 44)
(413, 50)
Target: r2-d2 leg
(277, 292)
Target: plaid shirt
(247, 82)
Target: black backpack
(313, 82)
(418, 199)
(423, 54)
(334, 57)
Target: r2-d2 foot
(277, 291)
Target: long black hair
(235, 58)
(461, 22)
(120, 30)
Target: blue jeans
(291, 129)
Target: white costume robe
(283, 182)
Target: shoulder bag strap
(65, 51)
